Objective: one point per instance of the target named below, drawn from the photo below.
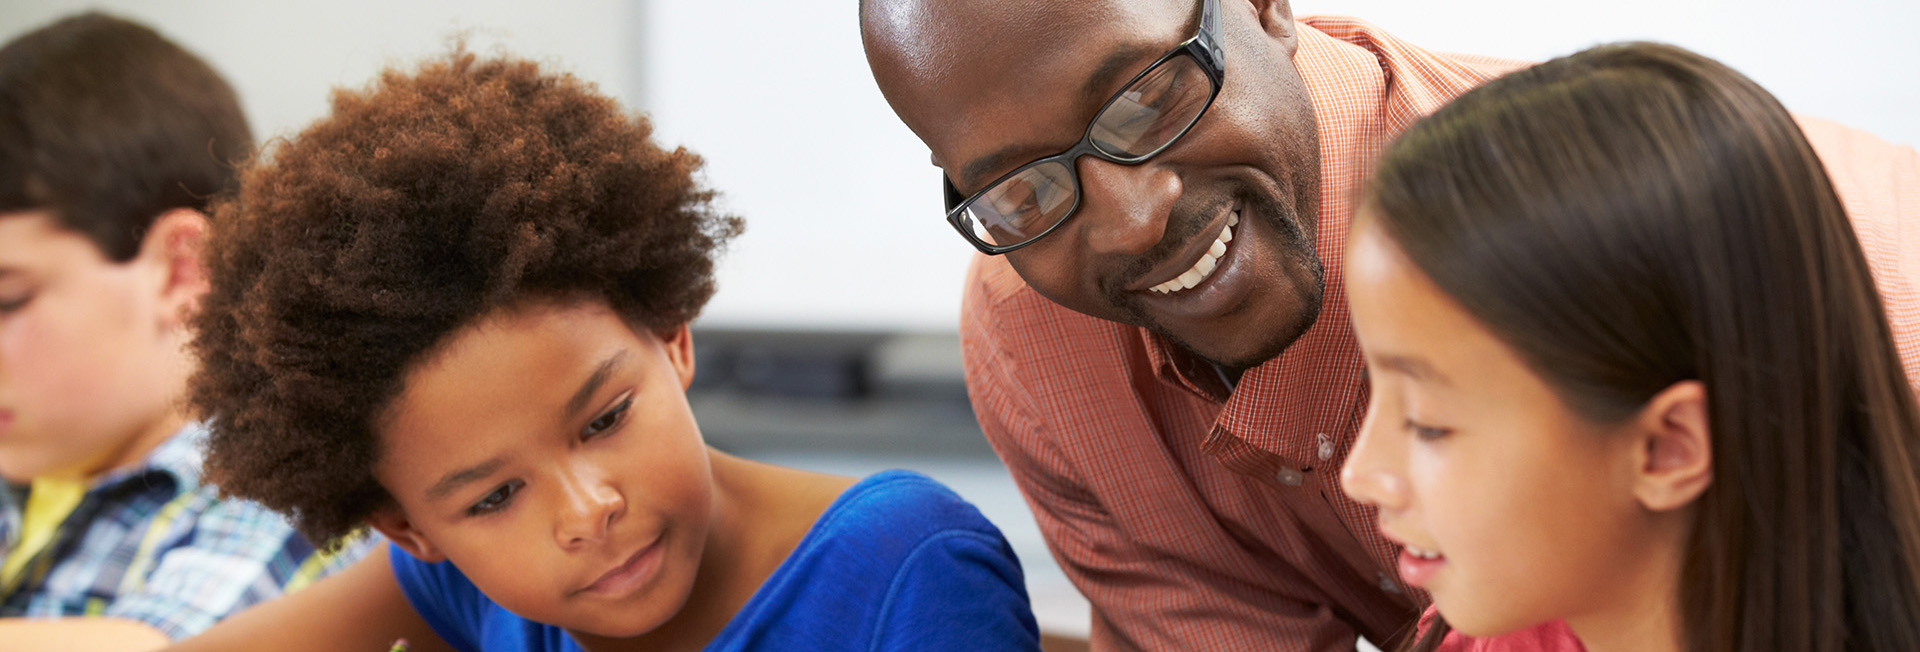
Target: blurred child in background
(112, 139)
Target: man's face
(90, 359)
(990, 85)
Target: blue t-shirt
(897, 562)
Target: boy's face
(91, 359)
(549, 453)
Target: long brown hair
(1636, 215)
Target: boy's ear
(1675, 459)
(393, 524)
(172, 248)
(679, 347)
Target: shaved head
(921, 49)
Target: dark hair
(1637, 215)
(418, 206)
(108, 124)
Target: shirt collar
(177, 459)
(1315, 391)
(173, 466)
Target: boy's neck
(139, 444)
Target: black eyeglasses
(1147, 116)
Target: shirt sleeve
(1142, 599)
(962, 591)
(1879, 185)
(217, 558)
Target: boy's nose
(587, 512)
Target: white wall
(777, 96)
(283, 57)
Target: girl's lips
(1418, 569)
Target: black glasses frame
(1203, 47)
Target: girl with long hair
(1630, 370)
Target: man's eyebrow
(599, 378)
(1096, 89)
(463, 477)
(1415, 368)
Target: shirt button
(1326, 446)
(1290, 477)
(1386, 584)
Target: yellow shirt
(49, 502)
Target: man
(1158, 344)
(112, 139)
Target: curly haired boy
(456, 311)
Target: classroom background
(831, 344)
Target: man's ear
(1276, 19)
(172, 249)
(393, 524)
(678, 344)
(1675, 459)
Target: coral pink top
(1550, 637)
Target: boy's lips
(631, 573)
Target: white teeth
(1208, 262)
(1192, 276)
(1422, 554)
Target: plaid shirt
(154, 544)
(1197, 516)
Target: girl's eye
(610, 419)
(1426, 432)
(495, 501)
(9, 305)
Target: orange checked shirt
(1195, 517)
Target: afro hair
(418, 206)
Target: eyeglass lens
(1137, 123)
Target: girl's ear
(1675, 458)
(393, 524)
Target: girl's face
(1513, 510)
(549, 453)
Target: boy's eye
(1427, 432)
(10, 304)
(609, 419)
(495, 501)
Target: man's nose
(1125, 207)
